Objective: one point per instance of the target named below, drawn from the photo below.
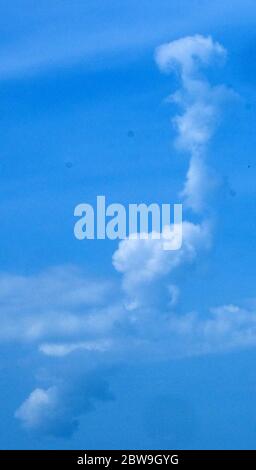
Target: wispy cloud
(58, 35)
(60, 301)
(63, 349)
(115, 330)
(114, 333)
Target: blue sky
(99, 349)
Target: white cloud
(144, 262)
(56, 410)
(195, 126)
(187, 53)
(63, 311)
(143, 334)
(224, 328)
(63, 349)
(199, 182)
(148, 323)
(61, 301)
(37, 406)
(200, 104)
(64, 286)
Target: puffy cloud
(188, 53)
(37, 407)
(57, 409)
(143, 262)
(200, 104)
(195, 126)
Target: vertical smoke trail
(199, 102)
